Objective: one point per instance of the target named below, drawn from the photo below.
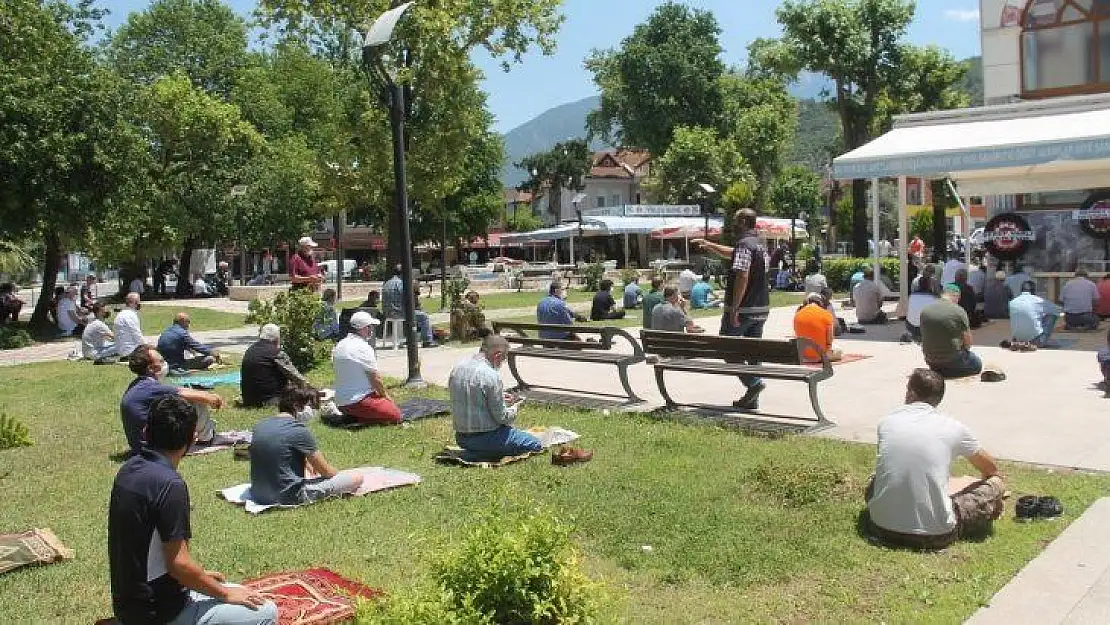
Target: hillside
(567, 121)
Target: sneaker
(1049, 508)
(1005, 344)
(570, 455)
(906, 338)
(1025, 509)
(750, 400)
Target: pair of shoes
(241, 451)
(570, 455)
(906, 338)
(992, 375)
(750, 400)
(1005, 344)
(429, 345)
(1032, 507)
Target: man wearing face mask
(483, 415)
(146, 363)
(126, 329)
(175, 339)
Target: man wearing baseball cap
(304, 271)
(359, 390)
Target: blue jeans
(496, 444)
(750, 327)
(424, 327)
(204, 610)
(1049, 324)
(967, 364)
(1087, 321)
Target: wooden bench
(599, 352)
(729, 355)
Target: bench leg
(632, 396)
(516, 374)
(671, 403)
(822, 422)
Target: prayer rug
(549, 437)
(36, 546)
(312, 597)
(844, 359)
(220, 442)
(411, 410)
(374, 479)
(206, 380)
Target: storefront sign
(1094, 215)
(1007, 236)
(646, 210)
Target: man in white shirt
(686, 281)
(359, 390)
(129, 334)
(948, 273)
(1018, 279)
(1080, 296)
(96, 340)
(868, 296)
(69, 319)
(200, 287)
(138, 285)
(911, 501)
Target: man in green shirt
(652, 298)
(946, 337)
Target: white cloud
(962, 15)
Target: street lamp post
(707, 203)
(380, 34)
(237, 192)
(577, 201)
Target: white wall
(1001, 54)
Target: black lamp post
(707, 203)
(373, 43)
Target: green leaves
(564, 166)
(696, 156)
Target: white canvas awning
(647, 225)
(555, 233)
(1022, 148)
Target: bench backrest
(727, 348)
(527, 334)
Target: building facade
(615, 179)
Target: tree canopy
(564, 166)
(697, 156)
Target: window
(601, 201)
(1065, 47)
(615, 200)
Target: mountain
(567, 121)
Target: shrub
(13, 433)
(14, 337)
(377, 272)
(594, 274)
(456, 290)
(294, 312)
(838, 271)
(628, 273)
(417, 607)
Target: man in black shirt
(267, 370)
(747, 298)
(604, 307)
(152, 571)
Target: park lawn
(714, 505)
(496, 301)
(156, 317)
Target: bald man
(176, 339)
(126, 328)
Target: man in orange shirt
(815, 323)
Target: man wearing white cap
(304, 271)
(359, 390)
(267, 370)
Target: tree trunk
(185, 270)
(859, 218)
(52, 263)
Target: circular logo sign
(1008, 236)
(1094, 215)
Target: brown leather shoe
(570, 455)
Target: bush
(417, 607)
(838, 271)
(14, 337)
(628, 273)
(377, 272)
(594, 274)
(294, 312)
(13, 433)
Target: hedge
(838, 271)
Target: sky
(542, 82)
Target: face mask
(563, 295)
(139, 306)
(163, 372)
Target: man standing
(126, 326)
(604, 307)
(149, 367)
(482, 420)
(912, 502)
(1080, 297)
(149, 530)
(359, 390)
(173, 342)
(88, 292)
(946, 337)
(652, 298)
(393, 305)
(632, 293)
(281, 447)
(670, 317)
(996, 297)
(267, 370)
(1032, 318)
(553, 310)
(304, 271)
(747, 300)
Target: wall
(1001, 54)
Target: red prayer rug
(312, 597)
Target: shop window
(615, 200)
(601, 201)
(1065, 47)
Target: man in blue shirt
(393, 306)
(1032, 318)
(701, 296)
(553, 310)
(173, 342)
(632, 293)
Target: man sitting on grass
(149, 530)
(652, 298)
(175, 339)
(146, 363)
(10, 304)
(359, 390)
(632, 293)
(482, 420)
(267, 370)
(96, 340)
(604, 306)
(670, 317)
(280, 448)
(912, 502)
(701, 296)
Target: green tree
(796, 193)
(203, 38)
(696, 156)
(761, 116)
(478, 201)
(663, 76)
(564, 166)
(68, 150)
(859, 45)
(283, 196)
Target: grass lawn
(742, 529)
(496, 301)
(156, 317)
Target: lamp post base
(415, 381)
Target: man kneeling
(912, 502)
(359, 390)
(483, 421)
(281, 446)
